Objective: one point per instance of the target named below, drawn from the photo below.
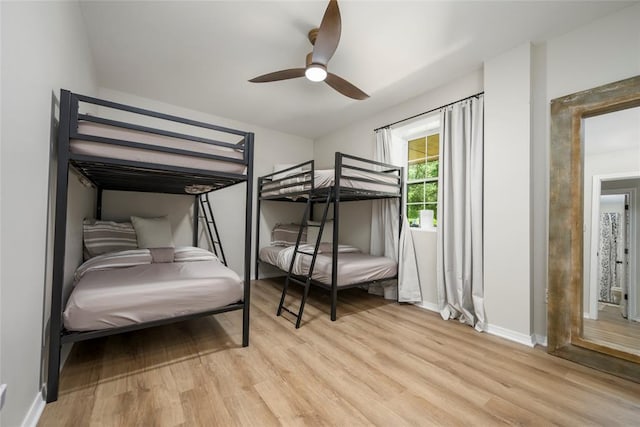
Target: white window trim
(417, 181)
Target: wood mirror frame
(566, 201)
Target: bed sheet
(143, 293)
(353, 267)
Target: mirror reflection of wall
(612, 230)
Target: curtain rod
(430, 111)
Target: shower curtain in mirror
(460, 223)
(608, 254)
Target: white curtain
(460, 230)
(384, 228)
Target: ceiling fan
(325, 42)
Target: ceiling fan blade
(344, 87)
(291, 73)
(328, 35)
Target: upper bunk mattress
(123, 296)
(99, 149)
(325, 178)
(353, 266)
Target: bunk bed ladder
(305, 281)
(212, 229)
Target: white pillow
(153, 232)
(312, 232)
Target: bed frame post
(400, 216)
(247, 241)
(99, 203)
(313, 187)
(257, 249)
(196, 219)
(55, 322)
(336, 233)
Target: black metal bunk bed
(113, 173)
(353, 179)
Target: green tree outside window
(422, 178)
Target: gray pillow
(101, 237)
(287, 234)
(153, 232)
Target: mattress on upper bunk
(353, 265)
(125, 294)
(325, 178)
(99, 149)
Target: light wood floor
(612, 328)
(380, 364)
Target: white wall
(424, 242)
(507, 192)
(271, 147)
(44, 48)
(539, 189)
(121, 205)
(604, 51)
(1, 157)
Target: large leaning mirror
(594, 228)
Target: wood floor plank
(454, 360)
(381, 363)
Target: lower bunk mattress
(126, 295)
(353, 266)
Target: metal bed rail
(270, 186)
(187, 142)
(384, 175)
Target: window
(422, 177)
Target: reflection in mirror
(611, 292)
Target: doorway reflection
(612, 230)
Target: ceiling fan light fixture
(316, 73)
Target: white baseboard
(528, 340)
(431, 306)
(541, 340)
(33, 416)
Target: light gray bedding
(269, 254)
(110, 151)
(104, 299)
(353, 267)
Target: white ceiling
(200, 55)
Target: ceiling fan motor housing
(309, 61)
(313, 34)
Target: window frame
(408, 182)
